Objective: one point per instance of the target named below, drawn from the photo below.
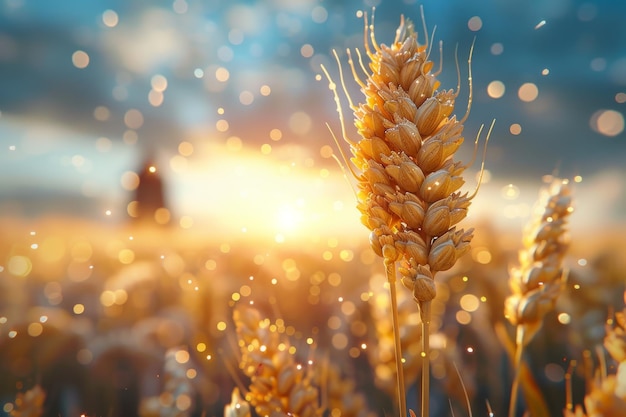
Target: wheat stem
(425, 314)
(569, 404)
(517, 366)
(390, 269)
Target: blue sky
(54, 149)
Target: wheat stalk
(408, 182)
(381, 354)
(538, 280)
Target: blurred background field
(162, 161)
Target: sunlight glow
(288, 217)
(235, 187)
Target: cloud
(147, 42)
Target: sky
(226, 98)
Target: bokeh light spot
(158, 83)
(130, 180)
(265, 90)
(307, 50)
(300, 123)
(510, 192)
(554, 372)
(80, 59)
(110, 18)
(133, 119)
(126, 256)
(497, 48)
(495, 89)
(276, 134)
(481, 255)
(319, 14)
(234, 143)
(564, 318)
(463, 317)
(222, 74)
(528, 92)
(185, 148)
(475, 23)
(182, 356)
(469, 302)
(35, 329)
(607, 122)
(246, 97)
(598, 64)
(162, 216)
(101, 113)
(339, 341)
(19, 265)
(222, 125)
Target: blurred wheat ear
(238, 407)
(607, 394)
(538, 280)
(178, 391)
(407, 179)
(278, 386)
(29, 403)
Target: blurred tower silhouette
(149, 201)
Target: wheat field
(430, 307)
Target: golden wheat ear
(237, 407)
(29, 403)
(537, 282)
(408, 183)
(278, 386)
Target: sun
(289, 217)
(263, 196)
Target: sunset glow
(235, 191)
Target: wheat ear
(538, 281)
(238, 407)
(408, 182)
(607, 397)
(29, 403)
(176, 399)
(278, 386)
